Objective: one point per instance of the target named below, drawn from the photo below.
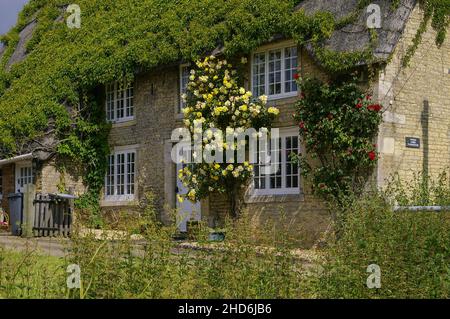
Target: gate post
(29, 195)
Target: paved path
(46, 246)
(57, 247)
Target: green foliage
(218, 112)
(436, 11)
(338, 123)
(65, 67)
(30, 275)
(421, 190)
(411, 248)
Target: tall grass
(28, 275)
(159, 268)
(411, 249)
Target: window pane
(109, 187)
(130, 173)
(120, 113)
(276, 179)
(184, 80)
(120, 174)
(292, 172)
(259, 176)
(274, 72)
(130, 101)
(290, 69)
(259, 73)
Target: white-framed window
(273, 72)
(185, 70)
(286, 179)
(120, 179)
(119, 102)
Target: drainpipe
(421, 208)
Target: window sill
(282, 96)
(127, 123)
(254, 199)
(118, 203)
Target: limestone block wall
(417, 101)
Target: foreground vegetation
(411, 249)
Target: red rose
(368, 97)
(359, 105)
(302, 125)
(374, 107)
(372, 155)
(296, 76)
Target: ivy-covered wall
(53, 92)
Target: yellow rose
(273, 110)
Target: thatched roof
(20, 52)
(351, 38)
(2, 50)
(354, 37)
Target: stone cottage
(414, 135)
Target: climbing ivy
(436, 11)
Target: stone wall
(417, 101)
(55, 177)
(156, 104)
